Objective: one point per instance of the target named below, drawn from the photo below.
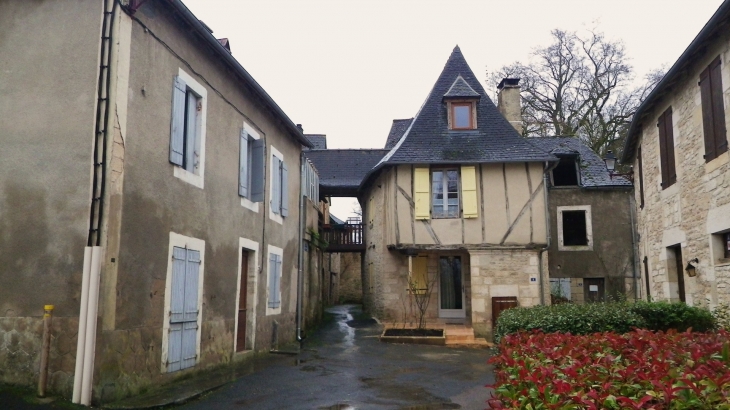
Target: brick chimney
(508, 101)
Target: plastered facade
(691, 211)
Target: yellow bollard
(42, 380)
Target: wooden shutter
(284, 190)
(177, 309)
(718, 108)
(421, 189)
(469, 191)
(641, 178)
(177, 123)
(190, 315)
(708, 123)
(243, 165)
(666, 149)
(276, 185)
(274, 274)
(419, 278)
(258, 171)
(192, 151)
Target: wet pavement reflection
(343, 366)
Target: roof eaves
(674, 72)
(226, 56)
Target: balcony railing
(344, 237)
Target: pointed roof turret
(428, 139)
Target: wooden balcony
(344, 237)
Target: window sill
(252, 206)
(722, 262)
(189, 177)
(446, 217)
(573, 248)
(717, 162)
(670, 191)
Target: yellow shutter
(469, 191)
(421, 190)
(419, 280)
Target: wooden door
(241, 334)
(594, 290)
(680, 272)
(500, 304)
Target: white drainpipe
(82, 325)
(91, 312)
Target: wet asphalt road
(343, 367)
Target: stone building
(591, 226)
(677, 144)
(154, 200)
(456, 208)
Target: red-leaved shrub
(637, 370)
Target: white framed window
(187, 129)
(445, 193)
(462, 114)
(279, 187)
(252, 154)
(311, 183)
(575, 229)
(183, 303)
(273, 284)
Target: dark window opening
(727, 244)
(566, 173)
(574, 228)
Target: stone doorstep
(455, 335)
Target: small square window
(566, 173)
(462, 116)
(720, 243)
(575, 231)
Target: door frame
(252, 247)
(452, 313)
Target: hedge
(619, 317)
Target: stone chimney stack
(508, 101)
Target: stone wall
(503, 273)
(690, 212)
(350, 278)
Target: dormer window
(461, 102)
(566, 173)
(462, 116)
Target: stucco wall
(46, 132)
(612, 256)
(698, 204)
(153, 203)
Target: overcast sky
(347, 68)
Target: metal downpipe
(302, 227)
(545, 184)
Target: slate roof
(593, 172)
(319, 141)
(429, 141)
(397, 130)
(343, 169)
(335, 220)
(460, 89)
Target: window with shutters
(251, 168)
(187, 129)
(279, 203)
(666, 149)
(273, 286)
(183, 303)
(713, 110)
(575, 229)
(418, 283)
(445, 193)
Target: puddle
(338, 406)
(347, 330)
(432, 406)
(310, 368)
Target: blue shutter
(272, 281)
(192, 153)
(177, 307)
(190, 313)
(243, 165)
(277, 282)
(177, 124)
(258, 175)
(276, 185)
(284, 190)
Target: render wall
(612, 253)
(690, 211)
(149, 204)
(47, 109)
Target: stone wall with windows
(694, 211)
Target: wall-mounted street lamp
(692, 269)
(610, 160)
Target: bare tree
(580, 86)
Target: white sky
(347, 68)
